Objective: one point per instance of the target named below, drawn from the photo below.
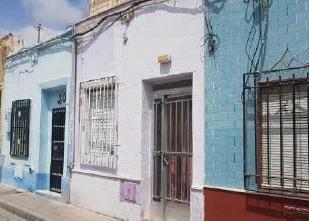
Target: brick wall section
(288, 27)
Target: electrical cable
(255, 66)
(64, 39)
(211, 39)
(259, 13)
(52, 41)
(118, 14)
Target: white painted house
(139, 119)
(36, 152)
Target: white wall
(175, 28)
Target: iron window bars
(172, 167)
(276, 122)
(20, 121)
(98, 124)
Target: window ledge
(295, 196)
(282, 193)
(105, 175)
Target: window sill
(284, 193)
(105, 175)
(259, 192)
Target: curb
(20, 212)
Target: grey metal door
(172, 154)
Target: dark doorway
(57, 149)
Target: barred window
(283, 119)
(20, 117)
(98, 113)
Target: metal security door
(57, 149)
(173, 149)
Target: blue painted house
(36, 135)
(256, 137)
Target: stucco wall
(254, 207)
(38, 75)
(176, 30)
(232, 21)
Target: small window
(98, 112)
(283, 135)
(20, 117)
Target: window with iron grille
(284, 135)
(98, 121)
(281, 121)
(20, 117)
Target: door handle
(165, 161)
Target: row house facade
(256, 132)
(166, 110)
(139, 111)
(36, 112)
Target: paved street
(17, 205)
(8, 216)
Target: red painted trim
(223, 205)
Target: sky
(21, 16)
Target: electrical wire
(210, 39)
(58, 39)
(260, 16)
(118, 15)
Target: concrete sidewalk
(19, 205)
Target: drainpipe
(71, 162)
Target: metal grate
(157, 152)
(173, 164)
(276, 122)
(20, 117)
(57, 149)
(98, 121)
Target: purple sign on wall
(130, 192)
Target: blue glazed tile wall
(288, 27)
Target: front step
(50, 195)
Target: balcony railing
(98, 6)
